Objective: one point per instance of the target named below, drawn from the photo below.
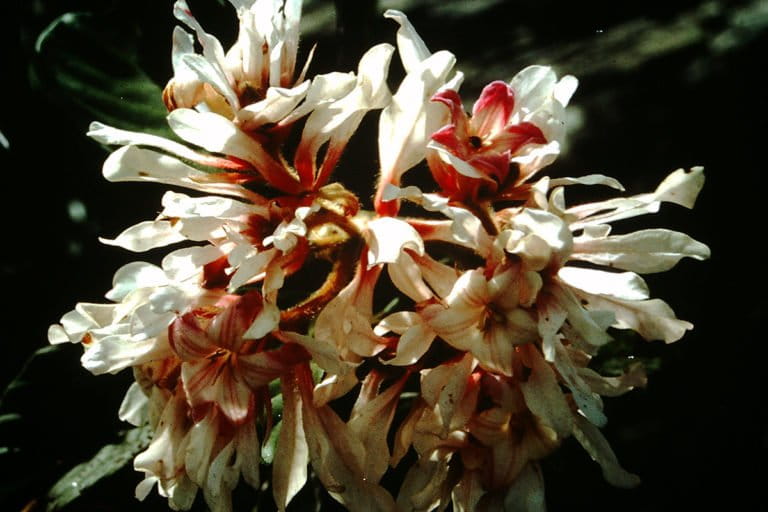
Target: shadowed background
(662, 85)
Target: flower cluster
(506, 290)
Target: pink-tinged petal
(336, 121)
(261, 368)
(492, 109)
(248, 450)
(338, 456)
(220, 135)
(440, 277)
(228, 327)
(131, 163)
(370, 420)
(653, 319)
(513, 137)
(406, 276)
(415, 336)
(458, 132)
(463, 167)
(235, 399)
(598, 448)
(543, 395)
(387, 237)
(201, 382)
(189, 339)
(289, 470)
(265, 321)
(446, 137)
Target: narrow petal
(147, 235)
(653, 319)
(289, 473)
(621, 285)
(493, 108)
(598, 448)
(645, 251)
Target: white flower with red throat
(520, 123)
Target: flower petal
(597, 447)
(645, 251)
(289, 470)
(623, 285)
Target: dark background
(662, 85)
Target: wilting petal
(261, 368)
(680, 187)
(338, 456)
(133, 409)
(653, 319)
(289, 473)
(526, 494)
(163, 460)
(371, 420)
(590, 179)
(597, 447)
(467, 492)
(543, 395)
(425, 486)
(415, 336)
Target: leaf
(78, 62)
(43, 413)
(107, 461)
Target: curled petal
(387, 237)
